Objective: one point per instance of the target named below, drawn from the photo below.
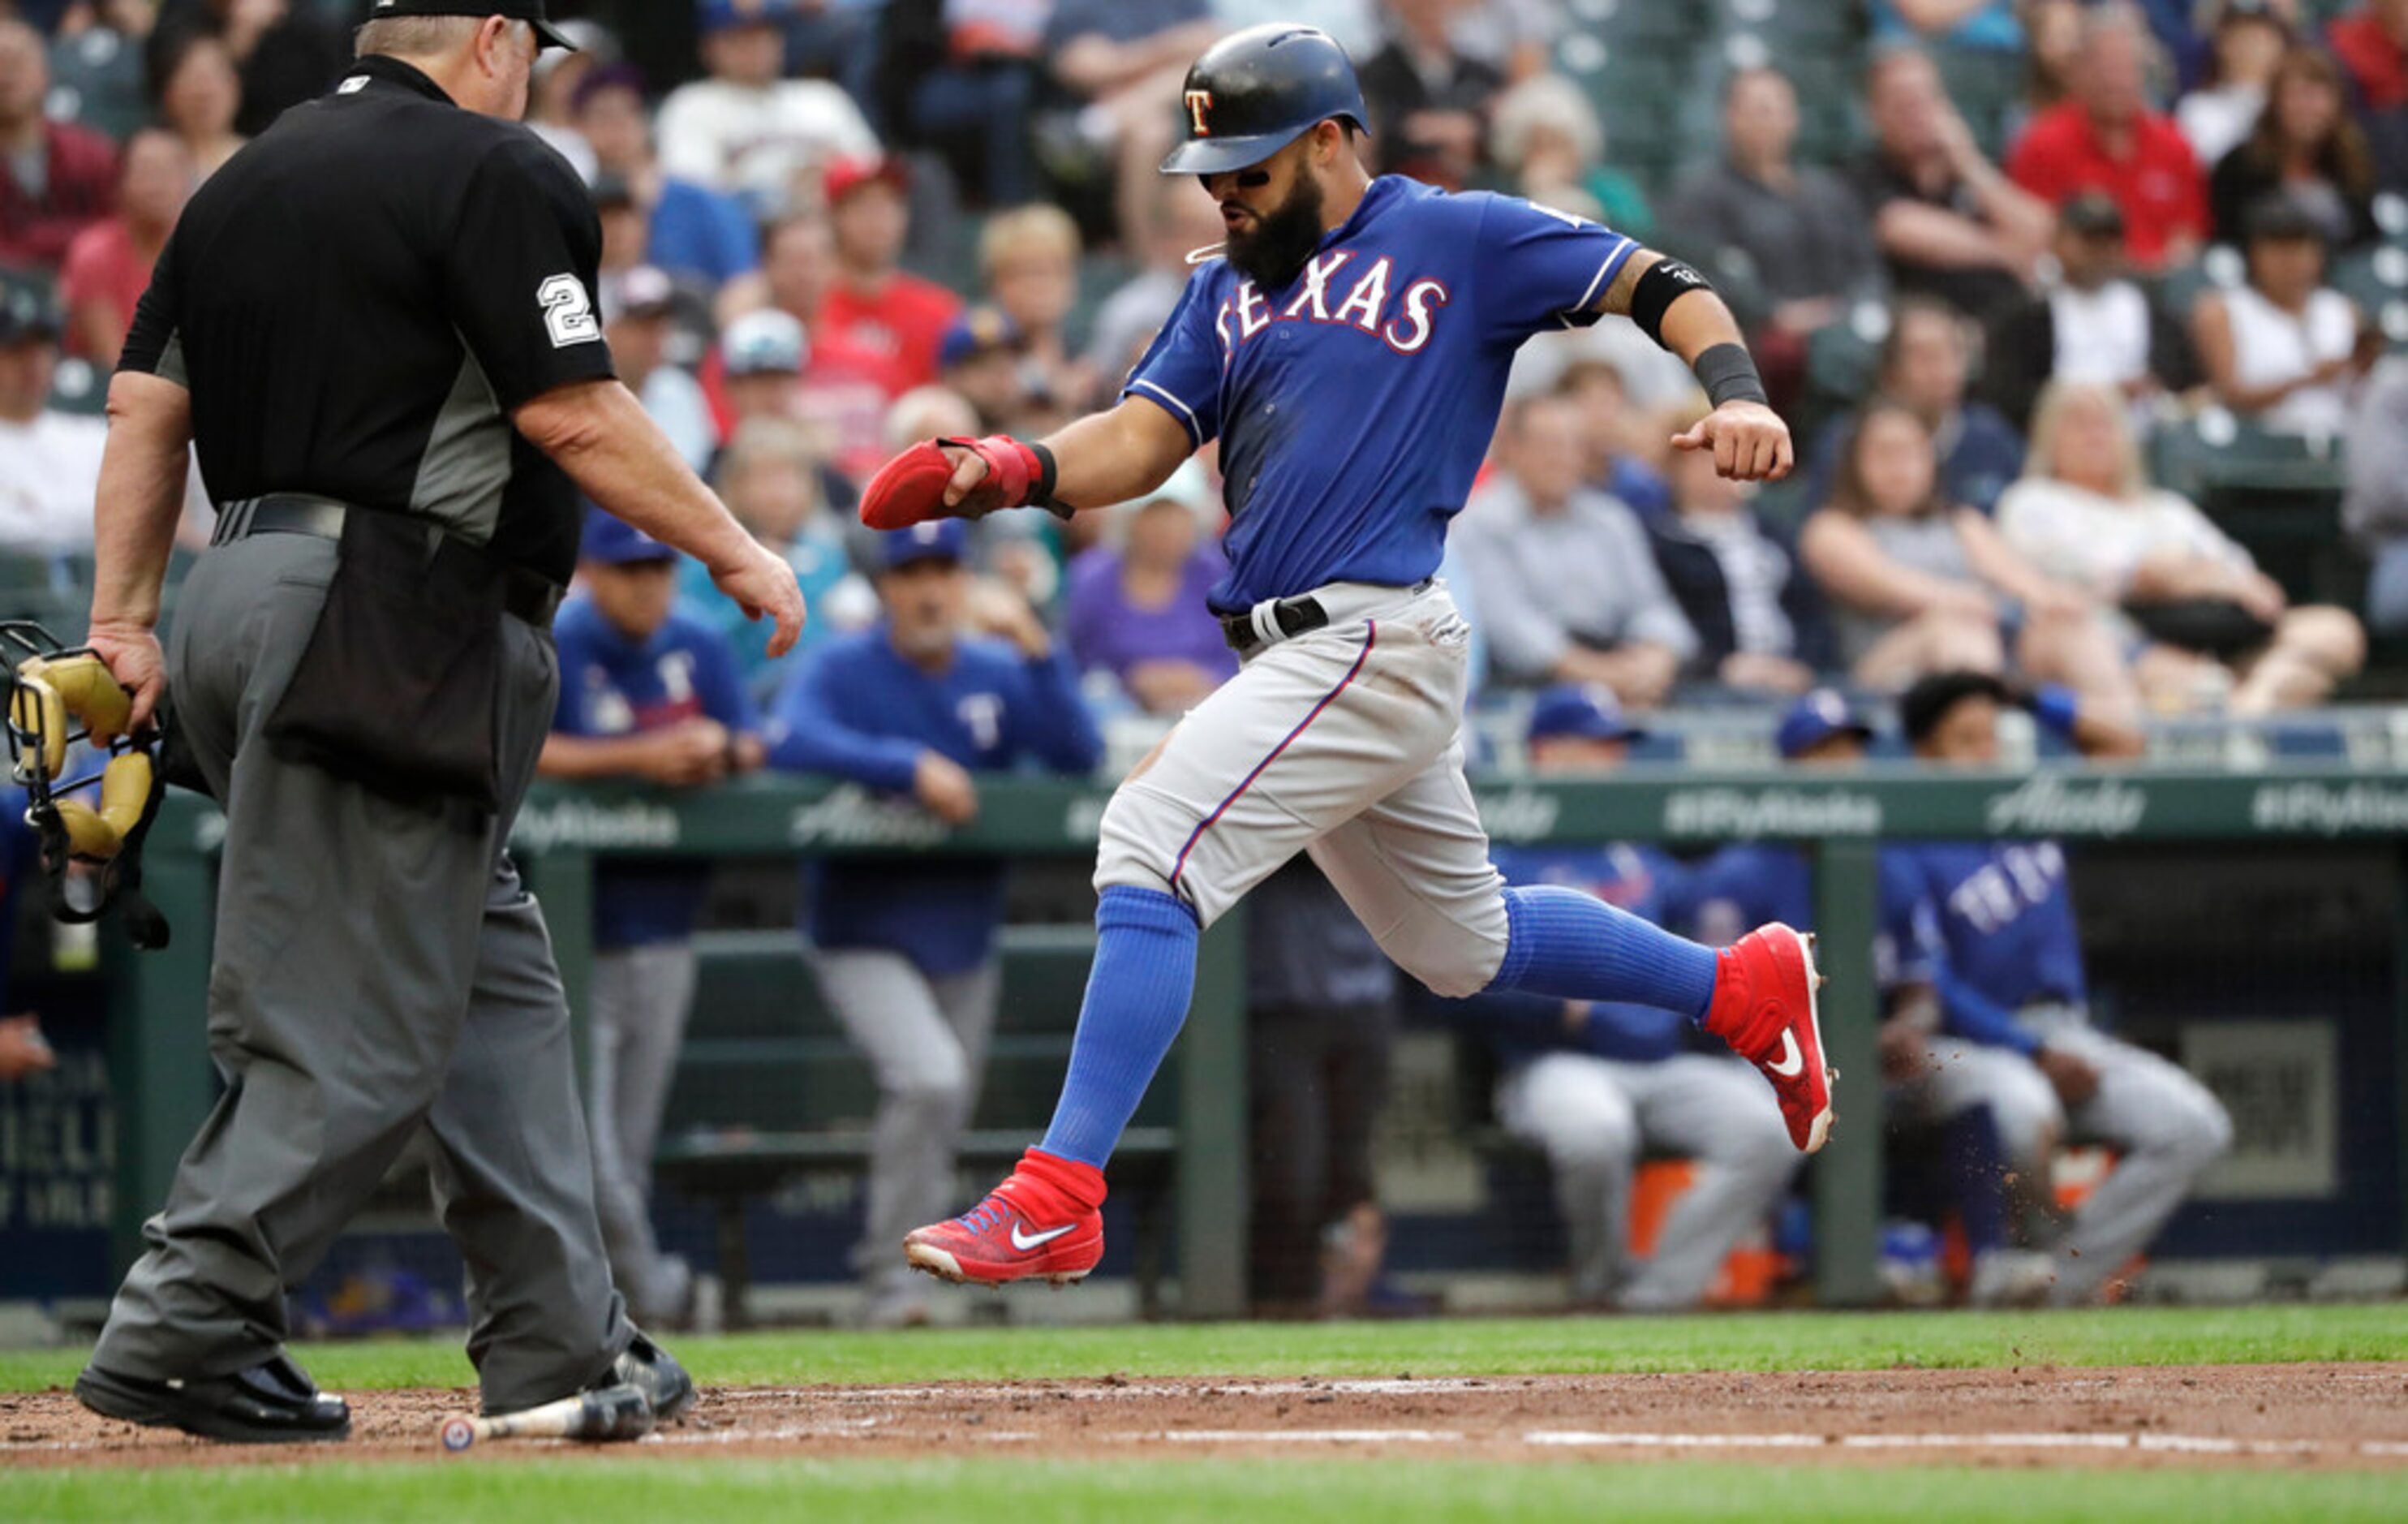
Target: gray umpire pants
(926, 1041)
(376, 969)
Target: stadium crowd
(2002, 260)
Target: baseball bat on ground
(612, 1412)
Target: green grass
(475, 1492)
(1513, 1346)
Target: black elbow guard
(1663, 283)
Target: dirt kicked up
(2349, 1417)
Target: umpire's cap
(1254, 92)
(529, 11)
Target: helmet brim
(1221, 155)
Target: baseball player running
(1348, 348)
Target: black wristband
(1728, 374)
(1048, 472)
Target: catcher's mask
(58, 696)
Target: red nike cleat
(1042, 1222)
(1764, 1008)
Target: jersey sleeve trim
(171, 366)
(1615, 258)
(1185, 414)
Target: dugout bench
(159, 1050)
(770, 1090)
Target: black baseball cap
(529, 11)
(27, 313)
(2279, 218)
(2093, 215)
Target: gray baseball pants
(1593, 1117)
(642, 996)
(926, 1041)
(376, 969)
(2166, 1129)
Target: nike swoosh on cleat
(1026, 1242)
(1788, 1066)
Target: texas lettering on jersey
(1365, 306)
(1354, 405)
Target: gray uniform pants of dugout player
(376, 969)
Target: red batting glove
(911, 488)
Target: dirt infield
(2321, 1416)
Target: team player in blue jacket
(2007, 966)
(1595, 1083)
(1937, 1075)
(917, 706)
(649, 691)
(1347, 347)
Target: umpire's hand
(134, 658)
(763, 585)
(1749, 441)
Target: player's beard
(1283, 238)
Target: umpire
(377, 327)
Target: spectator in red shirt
(55, 179)
(2106, 138)
(2372, 43)
(109, 263)
(873, 306)
(846, 386)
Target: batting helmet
(1254, 92)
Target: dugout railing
(159, 1044)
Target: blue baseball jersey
(1744, 885)
(610, 686)
(1354, 405)
(856, 709)
(1990, 923)
(1637, 879)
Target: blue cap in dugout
(980, 330)
(1254, 92)
(939, 539)
(1816, 719)
(1587, 711)
(614, 541)
(722, 15)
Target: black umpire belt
(528, 595)
(1291, 617)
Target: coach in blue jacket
(905, 949)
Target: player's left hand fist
(1749, 441)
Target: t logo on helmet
(1199, 102)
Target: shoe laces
(986, 1216)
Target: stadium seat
(2278, 495)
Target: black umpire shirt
(359, 300)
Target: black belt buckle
(1294, 617)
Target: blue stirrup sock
(1577, 947)
(1138, 995)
